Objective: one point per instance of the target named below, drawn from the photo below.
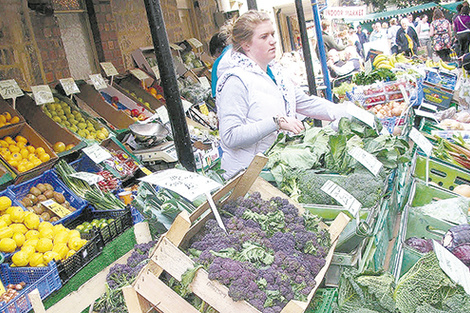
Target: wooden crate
(150, 292)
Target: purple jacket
(460, 22)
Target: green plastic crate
(323, 301)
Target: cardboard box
(145, 59)
(98, 107)
(437, 96)
(35, 140)
(46, 127)
(6, 107)
(126, 101)
(132, 87)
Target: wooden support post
(142, 232)
(132, 300)
(36, 302)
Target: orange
(16, 157)
(70, 146)
(59, 147)
(9, 140)
(20, 144)
(44, 157)
(3, 119)
(7, 116)
(22, 168)
(3, 143)
(31, 149)
(14, 119)
(20, 138)
(40, 151)
(24, 153)
(14, 148)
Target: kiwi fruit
(27, 202)
(49, 194)
(41, 187)
(59, 198)
(66, 204)
(46, 216)
(38, 209)
(35, 191)
(32, 197)
(48, 186)
(54, 219)
(41, 198)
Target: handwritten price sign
(9, 89)
(342, 196)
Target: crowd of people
(433, 34)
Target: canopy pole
(174, 104)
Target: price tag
(163, 114)
(405, 94)
(59, 210)
(342, 196)
(175, 47)
(9, 89)
(188, 184)
(98, 81)
(205, 82)
(97, 153)
(368, 160)
(425, 114)
(368, 67)
(156, 72)
(203, 108)
(429, 106)
(452, 266)
(109, 69)
(194, 43)
(145, 170)
(139, 74)
(90, 178)
(69, 85)
(421, 141)
(42, 94)
(361, 114)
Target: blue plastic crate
(21, 190)
(85, 164)
(45, 279)
(137, 217)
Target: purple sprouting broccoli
(137, 259)
(144, 248)
(119, 275)
(205, 258)
(226, 270)
(282, 242)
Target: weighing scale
(165, 151)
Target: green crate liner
(323, 301)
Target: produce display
(12, 292)
(377, 75)
(269, 254)
(86, 227)
(38, 242)
(7, 119)
(389, 109)
(109, 182)
(22, 155)
(59, 147)
(122, 163)
(70, 118)
(42, 192)
(136, 114)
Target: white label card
(156, 71)
(405, 94)
(205, 82)
(452, 266)
(194, 43)
(42, 94)
(429, 106)
(163, 114)
(9, 89)
(342, 196)
(97, 153)
(368, 160)
(421, 141)
(109, 69)
(368, 67)
(98, 81)
(361, 114)
(187, 184)
(69, 85)
(139, 74)
(90, 178)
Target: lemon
(58, 229)
(74, 233)
(43, 225)
(46, 233)
(32, 221)
(70, 253)
(20, 258)
(31, 242)
(7, 245)
(6, 232)
(61, 237)
(74, 243)
(61, 249)
(36, 259)
(51, 255)
(32, 234)
(19, 238)
(6, 218)
(18, 228)
(5, 203)
(17, 214)
(3, 224)
(29, 250)
(44, 245)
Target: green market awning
(394, 13)
(452, 7)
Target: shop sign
(344, 12)
(452, 266)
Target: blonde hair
(241, 30)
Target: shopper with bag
(462, 30)
(254, 101)
(441, 34)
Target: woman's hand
(290, 124)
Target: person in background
(423, 35)
(337, 66)
(411, 32)
(441, 34)
(361, 35)
(462, 30)
(403, 40)
(392, 35)
(354, 40)
(416, 22)
(384, 29)
(218, 47)
(409, 17)
(351, 56)
(328, 40)
(376, 33)
(254, 101)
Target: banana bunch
(441, 64)
(388, 61)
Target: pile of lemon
(21, 155)
(7, 119)
(39, 242)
